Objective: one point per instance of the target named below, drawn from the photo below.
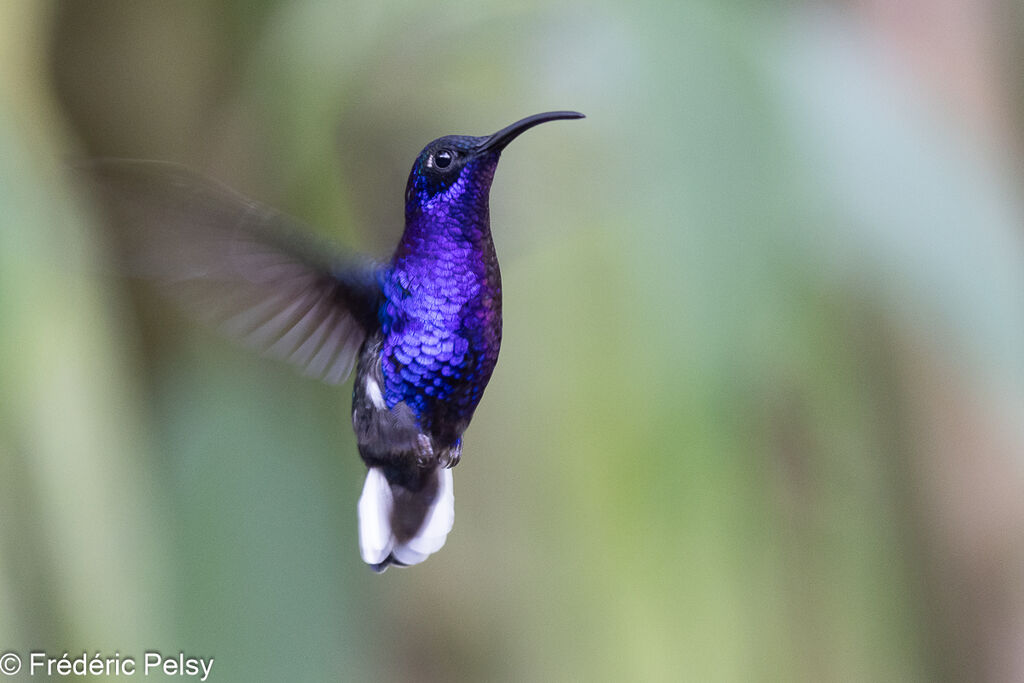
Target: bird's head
(453, 174)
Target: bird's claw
(450, 458)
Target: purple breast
(441, 320)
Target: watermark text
(152, 663)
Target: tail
(401, 526)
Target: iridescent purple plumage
(441, 316)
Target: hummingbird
(422, 330)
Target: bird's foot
(424, 451)
(450, 458)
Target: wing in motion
(245, 268)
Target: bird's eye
(443, 159)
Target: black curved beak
(499, 140)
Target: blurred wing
(240, 266)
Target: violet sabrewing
(423, 330)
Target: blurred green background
(759, 414)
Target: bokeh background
(759, 414)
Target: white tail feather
(376, 505)
(438, 523)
